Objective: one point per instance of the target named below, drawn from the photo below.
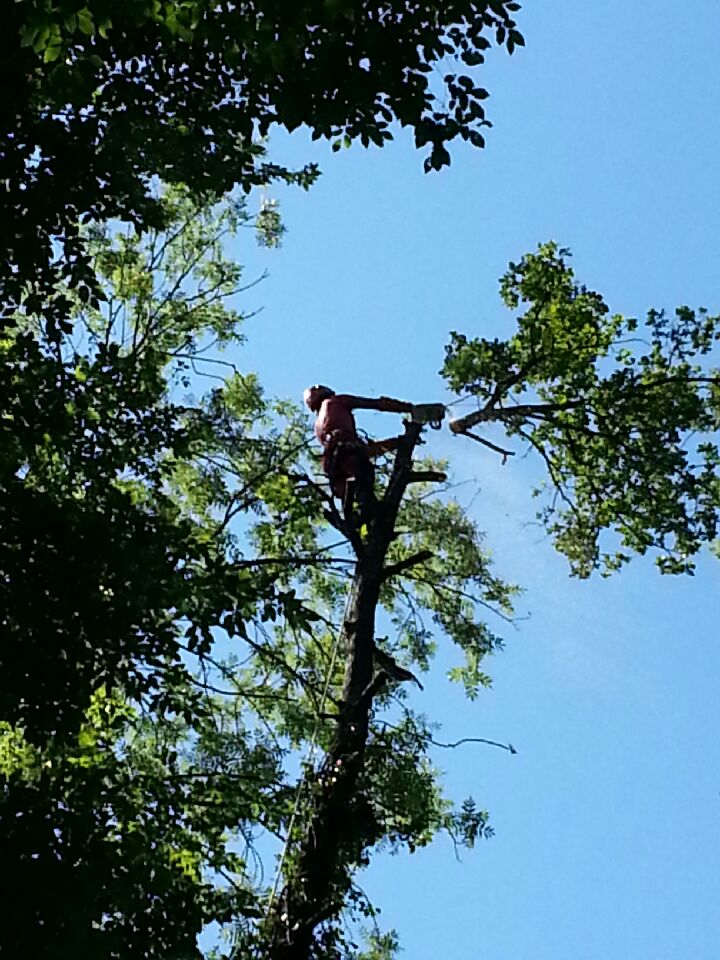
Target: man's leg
(352, 479)
(332, 467)
(359, 484)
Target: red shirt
(335, 418)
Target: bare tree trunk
(339, 825)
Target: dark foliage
(100, 98)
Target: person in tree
(347, 459)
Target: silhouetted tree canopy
(102, 97)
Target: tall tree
(197, 661)
(100, 98)
(176, 635)
(625, 420)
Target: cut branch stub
(427, 476)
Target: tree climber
(346, 458)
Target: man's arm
(383, 404)
(432, 413)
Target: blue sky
(606, 135)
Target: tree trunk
(339, 826)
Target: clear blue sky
(606, 137)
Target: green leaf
(85, 22)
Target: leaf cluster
(623, 414)
(102, 97)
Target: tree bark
(339, 826)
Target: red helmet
(314, 396)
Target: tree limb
(427, 476)
(488, 443)
(405, 564)
(502, 414)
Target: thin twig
(458, 743)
